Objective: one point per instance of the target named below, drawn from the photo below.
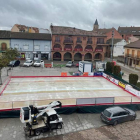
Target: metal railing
(12, 105)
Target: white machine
(40, 119)
(100, 66)
(85, 66)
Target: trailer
(85, 66)
(41, 119)
(100, 66)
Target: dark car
(14, 63)
(115, 115)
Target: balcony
(68, 41)
(78, 41)
(89, 42)
(100, 42)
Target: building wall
(119, 48)
(116, 34)
(132, 57)
(15, 29)
(28, 50)
(84, 40)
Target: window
(16, 46)
(134, 62)
(89, 39)
(68, 38)
(57, 39)
(137, 62)
(36, 55)
(107, 113)
(27, 55)
(116, 114)
(78, 38)
(36, 47)
(46, 48)
(26, 47)
(53, 117)
(100, 40)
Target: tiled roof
(59, 30)
(135, 44)
(4, 34)
(39, 36)
(129, 30)
(109, 41)
(23, 27)
(104, 31)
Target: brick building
(132, 54)
(127, 32)
(75, 44)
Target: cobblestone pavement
(74, 124)
(124, 131)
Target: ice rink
(41, 91)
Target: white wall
(119, 48)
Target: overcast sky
(74, 13)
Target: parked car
(28, 63)
(115, 115)
(14, 63)
(77, 64)
(38, 63)
(69, 64)
(77, 73)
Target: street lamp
(112, 46)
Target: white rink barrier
(127, 87)
(100, 100)
(132, 90)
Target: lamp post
(112, 46)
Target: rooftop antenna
(104, 24)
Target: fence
(70, 102)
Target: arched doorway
(3, 46)
(89, 48)
(67, 56)
(57, 56)
(78, 57)
(78, 48)
(57, 47)
(88, 57)
(98, 56)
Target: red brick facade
(78, 48)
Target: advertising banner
(90, 74)
(132, 90)
(104, 75)
(97, 73)
(114, 80)
(121, 84)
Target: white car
(69, 64)
(28, 63)
(38, 63)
